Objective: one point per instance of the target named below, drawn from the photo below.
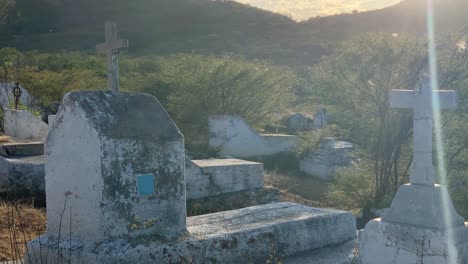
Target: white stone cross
(420, 100)
(111, 48)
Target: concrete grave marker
(421, 225)
(111, 48)
(121, 157)
(421, 101)
(321, 118)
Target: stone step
(22, 149)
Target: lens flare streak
(441, 166)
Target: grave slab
(213, 177)
(249, 235)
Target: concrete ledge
(346, 253)
(23, 149)
(232, 200)
(22, 174)
(213, 177)
(240, 236)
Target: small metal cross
(17, 94)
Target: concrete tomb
(215, 185)
(214, 177)
(22, 153)
(298, 122)
(116, 193)
(24, 125)
(302, 122)
(21, 166)
(121, 156)
(330, 156)
(233, 137)
(421, 225)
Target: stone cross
(111, 48)
(420, 100)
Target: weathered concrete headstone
(51, 120)
(111, 48)
(421, 226)
(114, 158)
(321, 118)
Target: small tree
(357, 80)
(194, 87)
(9, 57)
(5, 6)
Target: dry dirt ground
(21, 222)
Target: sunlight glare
(452, 251)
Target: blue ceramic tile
(145, 184)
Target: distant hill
(406, 17)
(161, 27)
(305, 9)
(215, 27)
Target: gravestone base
(250, 235)
(391, 243)
(423, 205)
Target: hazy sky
(304, 9)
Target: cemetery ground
(23, 219)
